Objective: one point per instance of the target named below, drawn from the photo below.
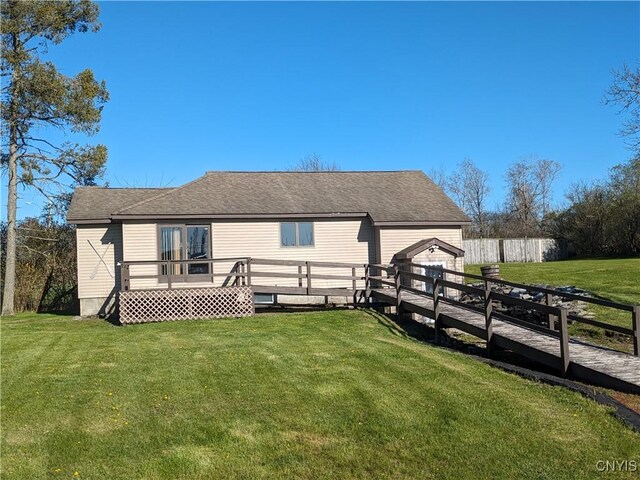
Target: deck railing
(354, 278)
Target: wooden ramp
(589, 363)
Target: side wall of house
(348, 241)
(335, 240)
(99, 249)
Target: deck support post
(435, 294)
(169, 274)
(308, 277)
(635, 326)
(564, 342)
(550, 317)
(488, 317)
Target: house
(355, 217)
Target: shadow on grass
(451, 340)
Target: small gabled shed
(431, 252)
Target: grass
(613, 279)
(339, 394)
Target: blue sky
(256, 86)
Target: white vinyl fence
(499, 250)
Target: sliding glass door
(185, 242)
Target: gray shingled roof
(401, 196)
(100, 203)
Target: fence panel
(494, 250)
(481, 250)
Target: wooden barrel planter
(491, 271)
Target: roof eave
(247, 216)
(430, 223)
(88, 221)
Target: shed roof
(420, 246)
(396, 197)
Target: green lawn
(613, 279)
(339, 394)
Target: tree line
(599, 218)
(528, 185)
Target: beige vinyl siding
(395, 239)
(392, 240)
(95, 278)
(335, 240)
(140, 242)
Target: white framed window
(297, 234)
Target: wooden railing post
(635, 326)
(435, 295)
(124, 276)
(551, 318)
(353, 282)
(367, 282)
(248, 272)
(397, 282)
(308, 277)
(488, 317)
(299, 275)
(564, 342)
(168, 264)
(243, 269)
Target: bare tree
(625, 92)
(314, 163)
(469, 187)
(438, 176)
(546, 172)
(530, 187)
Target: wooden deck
(589, 363)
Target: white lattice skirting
(139, 306)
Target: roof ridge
(155, 197)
